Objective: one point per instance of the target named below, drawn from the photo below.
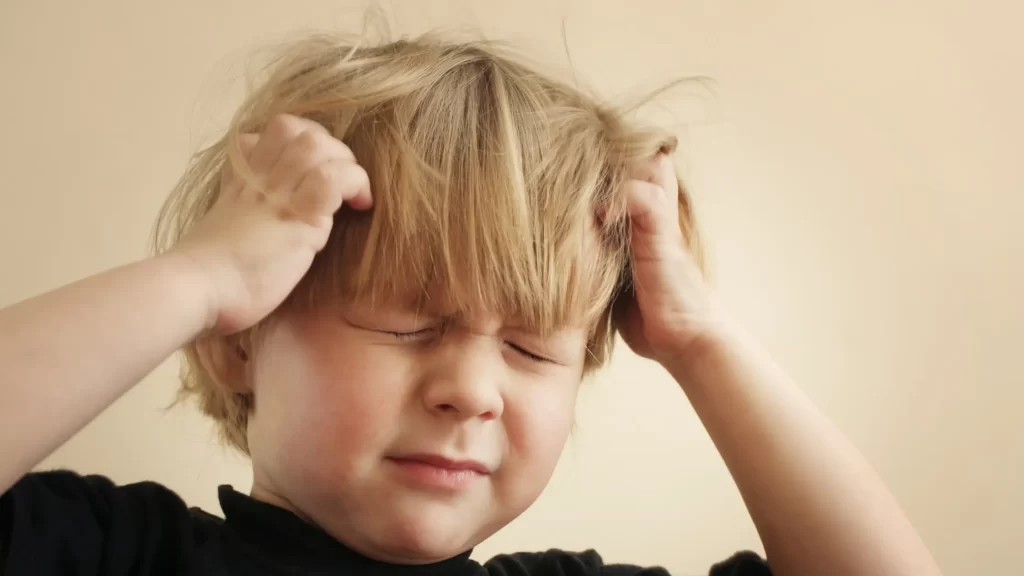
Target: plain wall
(857, 172)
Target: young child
(390, 277)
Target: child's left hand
(672, 309)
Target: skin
(818, 506)
(66, 355)
(346, 386)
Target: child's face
(344, 410)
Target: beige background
(858, 172)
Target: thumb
(651, 208)
(652, 196)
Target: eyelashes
(427, 333)
(410, 336)
(528, 355)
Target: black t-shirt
(62, 523)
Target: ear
(227, 360)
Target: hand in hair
(104, 333)
(817, 504)
(671, 308)
(274, 212)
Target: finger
(324, 188)
(247, 142)
(229, 183)
(649, 209)
(659, 170)
(278, 134)
(306, 151)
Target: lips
(444, 463)
(437, 474)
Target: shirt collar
(287, 540)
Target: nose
(464, 381)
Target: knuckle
(359, 174)
(247, 141)
(344, 151)
(663, 162)
(313, 195)
(658, 170)
(332, 180)
(284, 126)
(640, 191)
(307, 142)
(321, 178)
(317, 127)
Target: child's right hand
(252, 248)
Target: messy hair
(486, 176)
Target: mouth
(437, 472)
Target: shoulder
(589, 563)
(66, 488)
(58, 497)
(95, 524)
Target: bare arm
(817, 504)
(68, 354)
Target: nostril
(447, 408)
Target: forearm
(68, 354)
(818, 506)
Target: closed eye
(527, 354)
(426, 333)
(414, 335)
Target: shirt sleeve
(589, 563)
(62, 523)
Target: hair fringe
(486, 175)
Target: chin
(427, 537)
(408, 551)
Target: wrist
(705, 356)
(193, 286)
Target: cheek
(324, 403)
(538, 424)
(351, 401)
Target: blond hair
(486, 176)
